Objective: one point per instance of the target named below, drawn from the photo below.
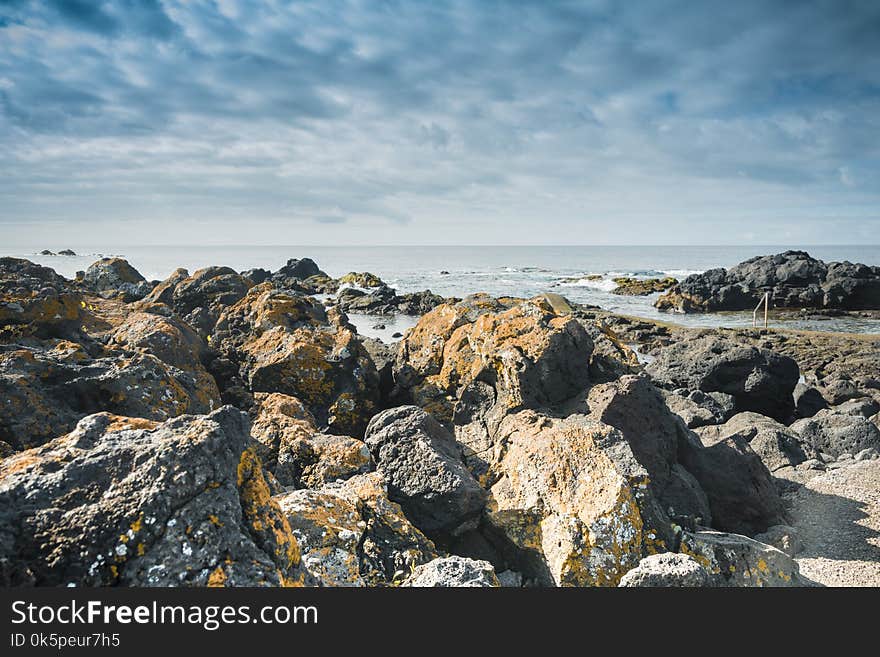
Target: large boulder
(422, 463)
(473, 362)
(283, 342)
(453, 571)
(635, 407)
(778, 446)
(296, 452)
(202, 297)
(665, 570)
(116, 277)
(808, 400)
(697, 408)
(740, 489)
(734, 560)
(758, 379)
(391, 546)
(48, 389)
(35, 301)
(838, 433)
(569, 502)
(137, 503)
(793, 279)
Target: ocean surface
(502, 270)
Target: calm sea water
(515, 271)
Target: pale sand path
(837, 514)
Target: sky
(482, 122)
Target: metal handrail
(766, 301)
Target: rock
(301, 269)
(46, 252)
(35, 301)
(837, 391)
(570, 501)
(296, 452)
(48, 390)
(453, 571)
(422, 464)
(114, 276)
(136, 503)
(868, 454)
(740, 489)
(812, 464)
(697, 408)
(758, 379)
(361, 279)
(734, 560)
(510, 579)
(391, 547)
(837, 433)
(635, 407)
(397, 335)
(684, 500)
(667, 569)
(201, 298)
(642, 286)
(66, 252)
(808, 401)
(328, 528)
(793, 279)
(782, 537)
(776, 445)
(863, 406)
(527, 355)
(256, 276)
(282, 342)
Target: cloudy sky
(480, 122)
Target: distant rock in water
(66, 252)
(46, 252)
(794, 279)
(637, 287)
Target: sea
(583, 274)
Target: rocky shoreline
(228, 428)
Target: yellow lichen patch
(215, 520)
(263, 513)
(140, 549)
(217, 578)
(762, 566)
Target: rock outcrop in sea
(793, 279)
(233, 429)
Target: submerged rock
(642, 286)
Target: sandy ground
(837, 515)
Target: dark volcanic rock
(114, 276)
(777, 445)
(383, 300)
(34, 300)
(423, 466)
(793, 279)
(758, 379)
(202, 297)
(279, 341)
(838, 433)
(136, 503)
(808, 401)
(740, 489)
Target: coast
(196, 431)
